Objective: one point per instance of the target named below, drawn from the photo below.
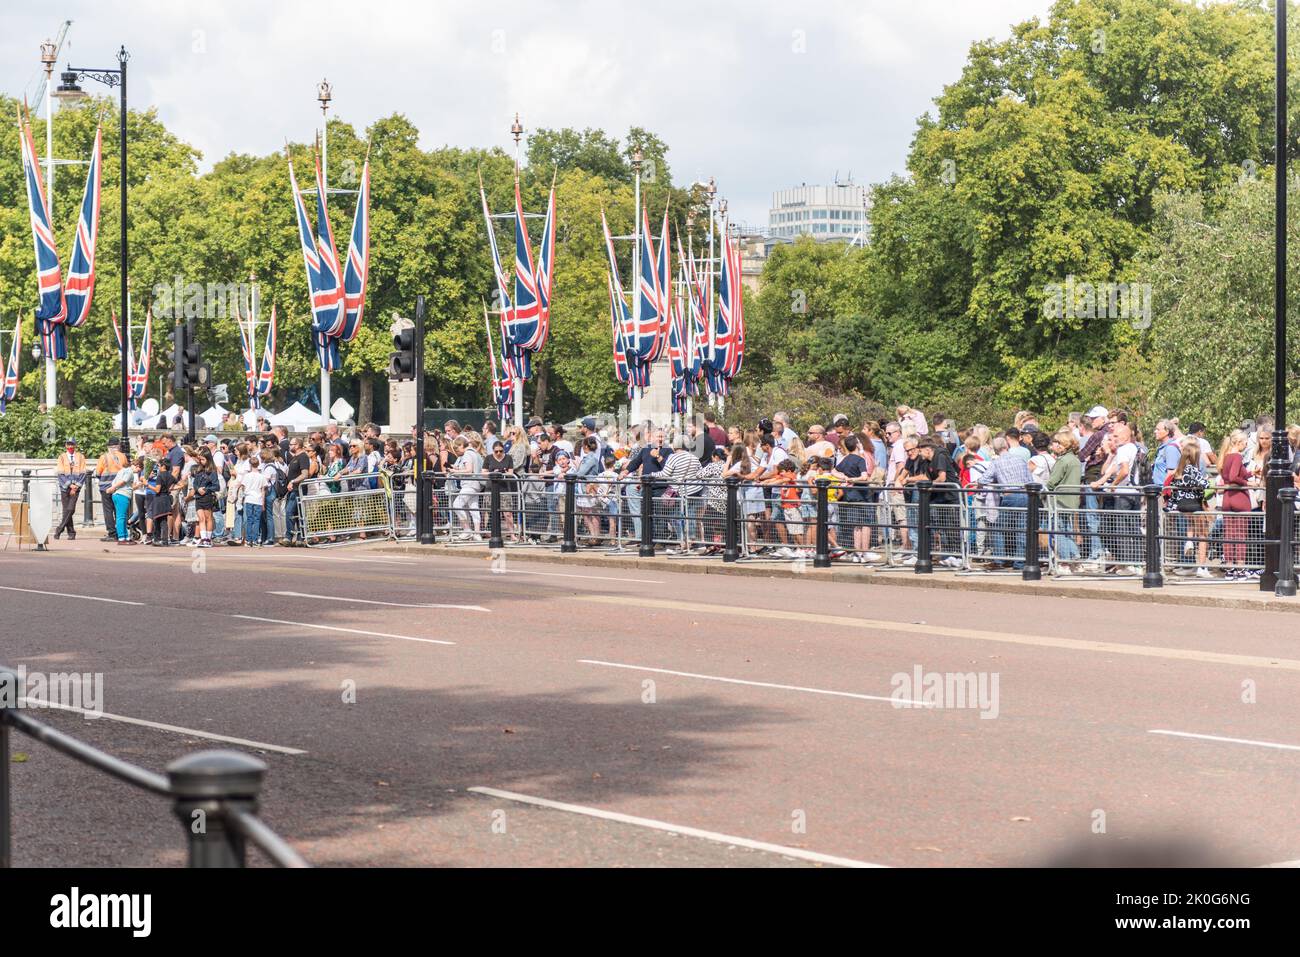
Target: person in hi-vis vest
(72, 476)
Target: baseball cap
(69, 441)
(1098, 411)
(840, 419)
(115, 442)
(533, 423)
(589, 423)
(209, 438)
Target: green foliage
(805, 404)
(1211, 273)
(26, 429)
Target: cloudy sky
(761, 95)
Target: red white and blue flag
(322, 279)
(79, 287)
(503, 389)
(545, 276)
(52, 311)
(137, 378)
(9, 382)
(266, 372)
(644, 340)
(358, 262)
(525, 318)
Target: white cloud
(724, 84)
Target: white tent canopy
(298, 418)
(213, 417)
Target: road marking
(376, 561)
(757, 684)
(368, 601)
(192, 732)
(598, 578)
(675, 828)
(350, 631)
(1215, 737)
(944, 631)
(64, 594)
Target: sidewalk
(1176, 590)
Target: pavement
(439, 707)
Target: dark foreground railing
(214, 793)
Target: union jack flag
(358, 265)
(79, 288)
(52, 311)
(503, 390)
(137, 378)
(9, 383)
(246, 349)
(729, 339)
(503, 282)
(525, 317)
(322, 277)
(644, 338)
(545, 275)
(266, 373)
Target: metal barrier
(918, 528)
(218, 788)
(333, 510)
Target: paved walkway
(1176, 591)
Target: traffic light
(189, 371)
(401, 364)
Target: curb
(940, 581)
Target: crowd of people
(271, 489)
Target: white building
(823, 212)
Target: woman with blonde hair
(1186, 484)
(795, 449)
(1236, 501)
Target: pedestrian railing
(214, 794)
(919, 528)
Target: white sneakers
(1204, 572)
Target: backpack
(281, 482)
(1144, 466)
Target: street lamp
(69, 89)
(1279, 465)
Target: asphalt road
(585, 716)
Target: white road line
(758, 684)
(368, 601)
(376, 561)
(63, 594)
(207, 735)
(1215, 737)
(598, 578)
(350, 631)
(796, 852)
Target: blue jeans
(1067, 550)
(252, 523)
(291, 515)
(1092, 520)
(268, 517)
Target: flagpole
(708, 313)
(323, 93)
(51, 394)
(517, 131)
(637, 391)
